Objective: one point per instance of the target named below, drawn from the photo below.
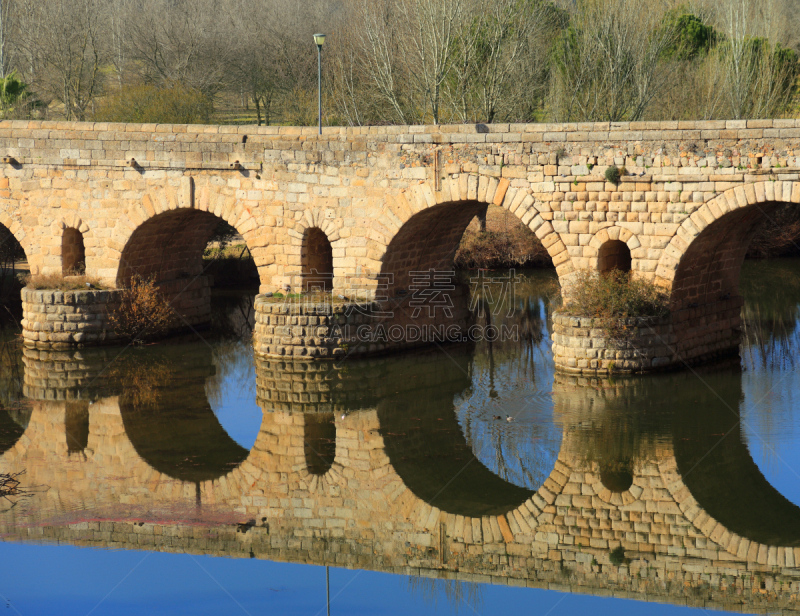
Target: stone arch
(168, 245)
(421, 226)
(314, 228)
(12, 426)
(16, 229)
(434, 460)
(317, 260)
(182, 204)
(613, 236)
(281, 426)
(614, 255)
(701, 263)
(73, 252)
(75, 246)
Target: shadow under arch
(169, 246)
(11, 253)
(426, 445)
(716, 465)
(709, 268)
(427, 240)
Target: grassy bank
(231, 265)
(505, 243)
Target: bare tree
(609, 61)
(182, 41)
(382, 53)
(5, 28)
(62, 39)
(758, 76)
(497, 42)
(433, 26)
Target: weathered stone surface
(685, 211)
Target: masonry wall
(53, 319)
(393, 199)
(283, 180)
(683, 337)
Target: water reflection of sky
(71, 581)
(232, 391)
(506, 380)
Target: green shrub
(617, 556)
(613, 298)
(614, 173)
(147, 104)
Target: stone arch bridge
(93, 444)
(375, 204)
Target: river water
(191, 477)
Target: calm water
(190, 477)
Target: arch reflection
(413, 398)
(161, 399)
(613, 426)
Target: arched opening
(709, 269)
(427, 241)
(721, 473)
(614, 255)
(431, 452)
(73, 253)
(319, 442)
(167, 416)
(705, 300)
(13, 267)
(498, 239)
(317, 261)
(187, 253)
(13, 423)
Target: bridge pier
(682, 337)
(53, 319)
(327, 330)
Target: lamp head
(319, 39)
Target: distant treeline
(397, 61)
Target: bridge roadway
(699, 523)
(360, 209)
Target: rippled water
(192, 477)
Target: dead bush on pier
(143, 312)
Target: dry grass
(505, 243)
(613, 298)
(59, 282)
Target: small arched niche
(614, 255)
(317, 261)
(73, 253)
(319, 442)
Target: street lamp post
(319, 39)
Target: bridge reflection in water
(365, 465)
